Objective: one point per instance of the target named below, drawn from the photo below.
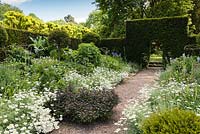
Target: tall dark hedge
(3, 37)
(172, 33)
(21, 37)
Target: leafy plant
(19, 54)
(38, 45)
(111, 62)
(88, 54)
(173, 121)
(9, 76)
(84, 106)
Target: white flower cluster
(101, 78)
(136, 111)
(24, 113)
(158, 98)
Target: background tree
(196, 15)
(119, 11)
(169, 8)
(69, 18)
(98, 21)
(5, 8)
(34, 16)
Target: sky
(49, 10)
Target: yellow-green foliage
(173, 121)
(18, 20)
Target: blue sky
(55, 9)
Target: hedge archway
(172, 32)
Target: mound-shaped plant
(173, 121)
(87, 54)
(84, 106)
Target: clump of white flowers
(157, 98)
(24, 113)
(101, 78)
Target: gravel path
(128, 90)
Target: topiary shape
(87, 54)
(173, 121)
(84, 106)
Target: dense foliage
(120, 11)
(4, 37)
(88, 54)
(171, 33)
(173, 121)
(6, 7)
(84, 106)
(28, 83)
(18, 20)
(91, 38)
(178, 88)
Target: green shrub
(19, 54)
(173, 121)
(9, 77)
(111, 62)
(84, 106)
(88, 54)
(59, 39)
(39, 46)
(3, 37)
(181, 69)
(91, 37)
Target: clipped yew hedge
(172, 32)
(22, 38)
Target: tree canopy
(5, 8)
(119, 11)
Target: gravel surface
(127, 90)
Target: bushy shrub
(4, 37)
(115, 63)
(9, 76)
(88, 53)
(173, 121)
(181, 69)
(59, 39)
(19, 54)
(84, 106)
(91, 37)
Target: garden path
(127, 91)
